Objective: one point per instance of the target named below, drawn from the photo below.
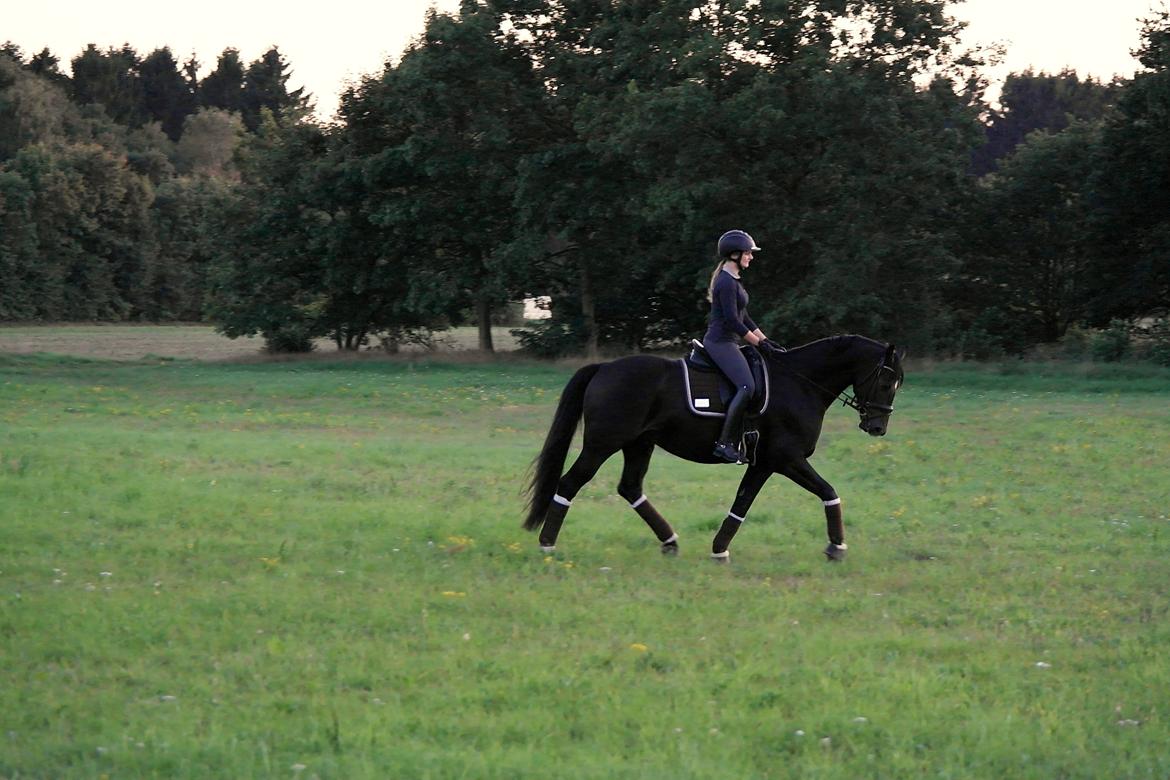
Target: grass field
(315, 569)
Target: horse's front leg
(800, 472)
(749, 487)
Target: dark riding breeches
(727, 356)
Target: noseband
(863, 405)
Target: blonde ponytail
(714, 276)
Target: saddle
(708, 390)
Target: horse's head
(875, 392)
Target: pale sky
(329, 44)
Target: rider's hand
(772, 346)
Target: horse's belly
(690, 438)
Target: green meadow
(315, 568)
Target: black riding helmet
(734, 241)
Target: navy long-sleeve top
(729, 317)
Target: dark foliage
(593, 152)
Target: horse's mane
(836, 344)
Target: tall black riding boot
(727, 448)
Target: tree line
(592, 152)
(110, 177)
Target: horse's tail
(546, 468)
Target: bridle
(862, 405)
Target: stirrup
(728, 452)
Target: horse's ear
(889, 354)
(902, 354)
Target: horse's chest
(794, 433)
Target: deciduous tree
(1133, 187)
(1033, 101)
(1027, 277)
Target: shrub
(1075, 344)
(1112, 343)
(551, 338)
(425, 338)
(291, 337)
(975, 343)
(1155, 341)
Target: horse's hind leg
(637, 461)
(583, 470)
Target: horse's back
(629, 378)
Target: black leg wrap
(657, 522)
(836, 525)
(552, 524)
(726, 533)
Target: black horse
(634, 403)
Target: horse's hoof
(835, 552)
(548, 549)
(723, 557)
(670, 548)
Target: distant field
(196, 342)
(314, 568)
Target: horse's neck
(834, 363)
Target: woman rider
(729, 322)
